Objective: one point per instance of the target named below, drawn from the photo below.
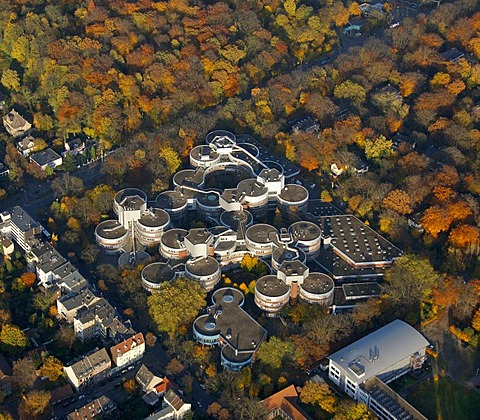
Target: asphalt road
(38, 195)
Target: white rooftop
(375, 353)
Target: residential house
(173, 408)
(26, 146)
(283, 404)
(61, 394)
(453, 55)
(46, 260)
(46, 158)
(15, 124)
(100, 408)
(99, 318)
(147, 380)
(128, 351)
(387, 353)
(5, 375)
(4, 171)
(306, 125)
(74, 147)
(7, 246)
(89, 369)
(70, 304)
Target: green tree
(52, 368)
(410, 279)
(175, 306)
(378, 147)
(315, 393)
(13, 336)
(10, 80)
(351, 91)
(274, 351)
(171, 158)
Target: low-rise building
(46, 158)
(147, 380)
(4, 171)
(26, 146)
(15, 124)
(74, 147)
(89, 369)
(173, 408)
(99, 408)
(283, 405)
(128, 351)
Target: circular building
(254, 195)
(205, 271)
(317, 288)
(292, 198)
(172, 244)
(173, 202)
(216, 134)
(231, 219)
(111, 236)
(259, 239)
(284, 253)
(154, 274)
(208, 205)
(203, 156)
(271, 294)
(307, 236)
(151, 225)
(129, 198)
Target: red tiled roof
(163, 386)
(285, 400)
(126, 345)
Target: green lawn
(445, 400)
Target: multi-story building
(99, 408)
(226, 324)
(24, 230)
(387, 353)
(89, 370)
(15, 124)
(128, 351)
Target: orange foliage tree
(435, 220)
(399, 201)
(28, 278)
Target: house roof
(374, 353)
(126, 345)
(61, 393)
(15, 120)
(163, 386)
(45, 157)
(94, 409)
(87, 364)
(174, 400)
(26, 144)
(285, 400)
(5, 368)
(146, 378)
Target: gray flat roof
(110, 229)
(394, 342)
(262, 233)
(317, 283)
(174, 238)
(198, 236)
(358, 241)
(235, 325)
(318, 208)
(22, 219)
(170, 200)
(294, 193)
(45, 157)
(157, 273)
(202, 266)
(271, 286)
(154, 217)
(250, 188)
(303, 230)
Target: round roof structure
(157, 273)
(174, 238)
(171, 200)
(219, 133)
(110, 229)
(126, 193)
(251, 188)
(318, 284)
(202, 267)
(261, 233)
(271, 286)
(230, 219)
(306, 231)
(294, 193)
(154, 217)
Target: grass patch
(445, 399)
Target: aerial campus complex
(236, 187)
